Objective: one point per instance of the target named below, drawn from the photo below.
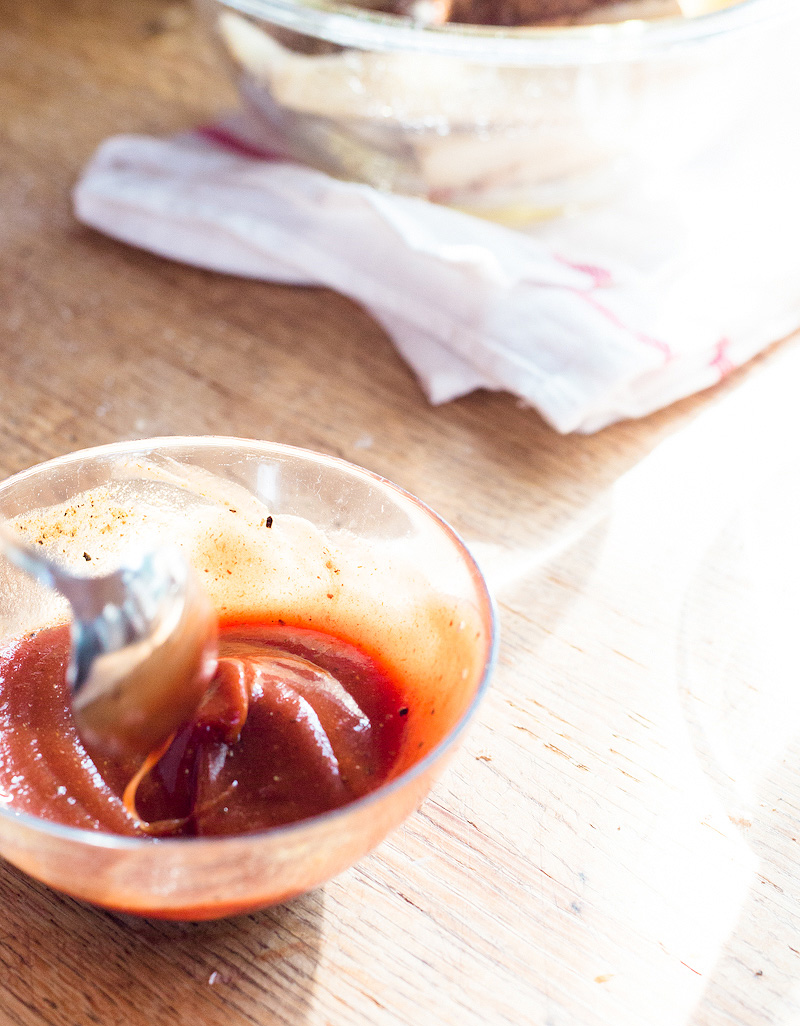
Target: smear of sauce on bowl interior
(296, 723)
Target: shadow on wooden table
(63, 962)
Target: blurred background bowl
(512, 124)
(409, 590)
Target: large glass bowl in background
(404, 556)
(513, 124)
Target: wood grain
(617, 841)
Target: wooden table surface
(617, 842)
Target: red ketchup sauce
(295, 723)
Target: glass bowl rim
(345, 25)
(119, 842)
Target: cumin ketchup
(295, 723)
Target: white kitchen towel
(594, 318)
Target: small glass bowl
(403, 583)
(512, 124)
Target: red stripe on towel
(648, 340)
(601, 276)
(222, 137)
(721, 360)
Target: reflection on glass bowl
(513, 124)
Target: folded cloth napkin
(593, 318)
